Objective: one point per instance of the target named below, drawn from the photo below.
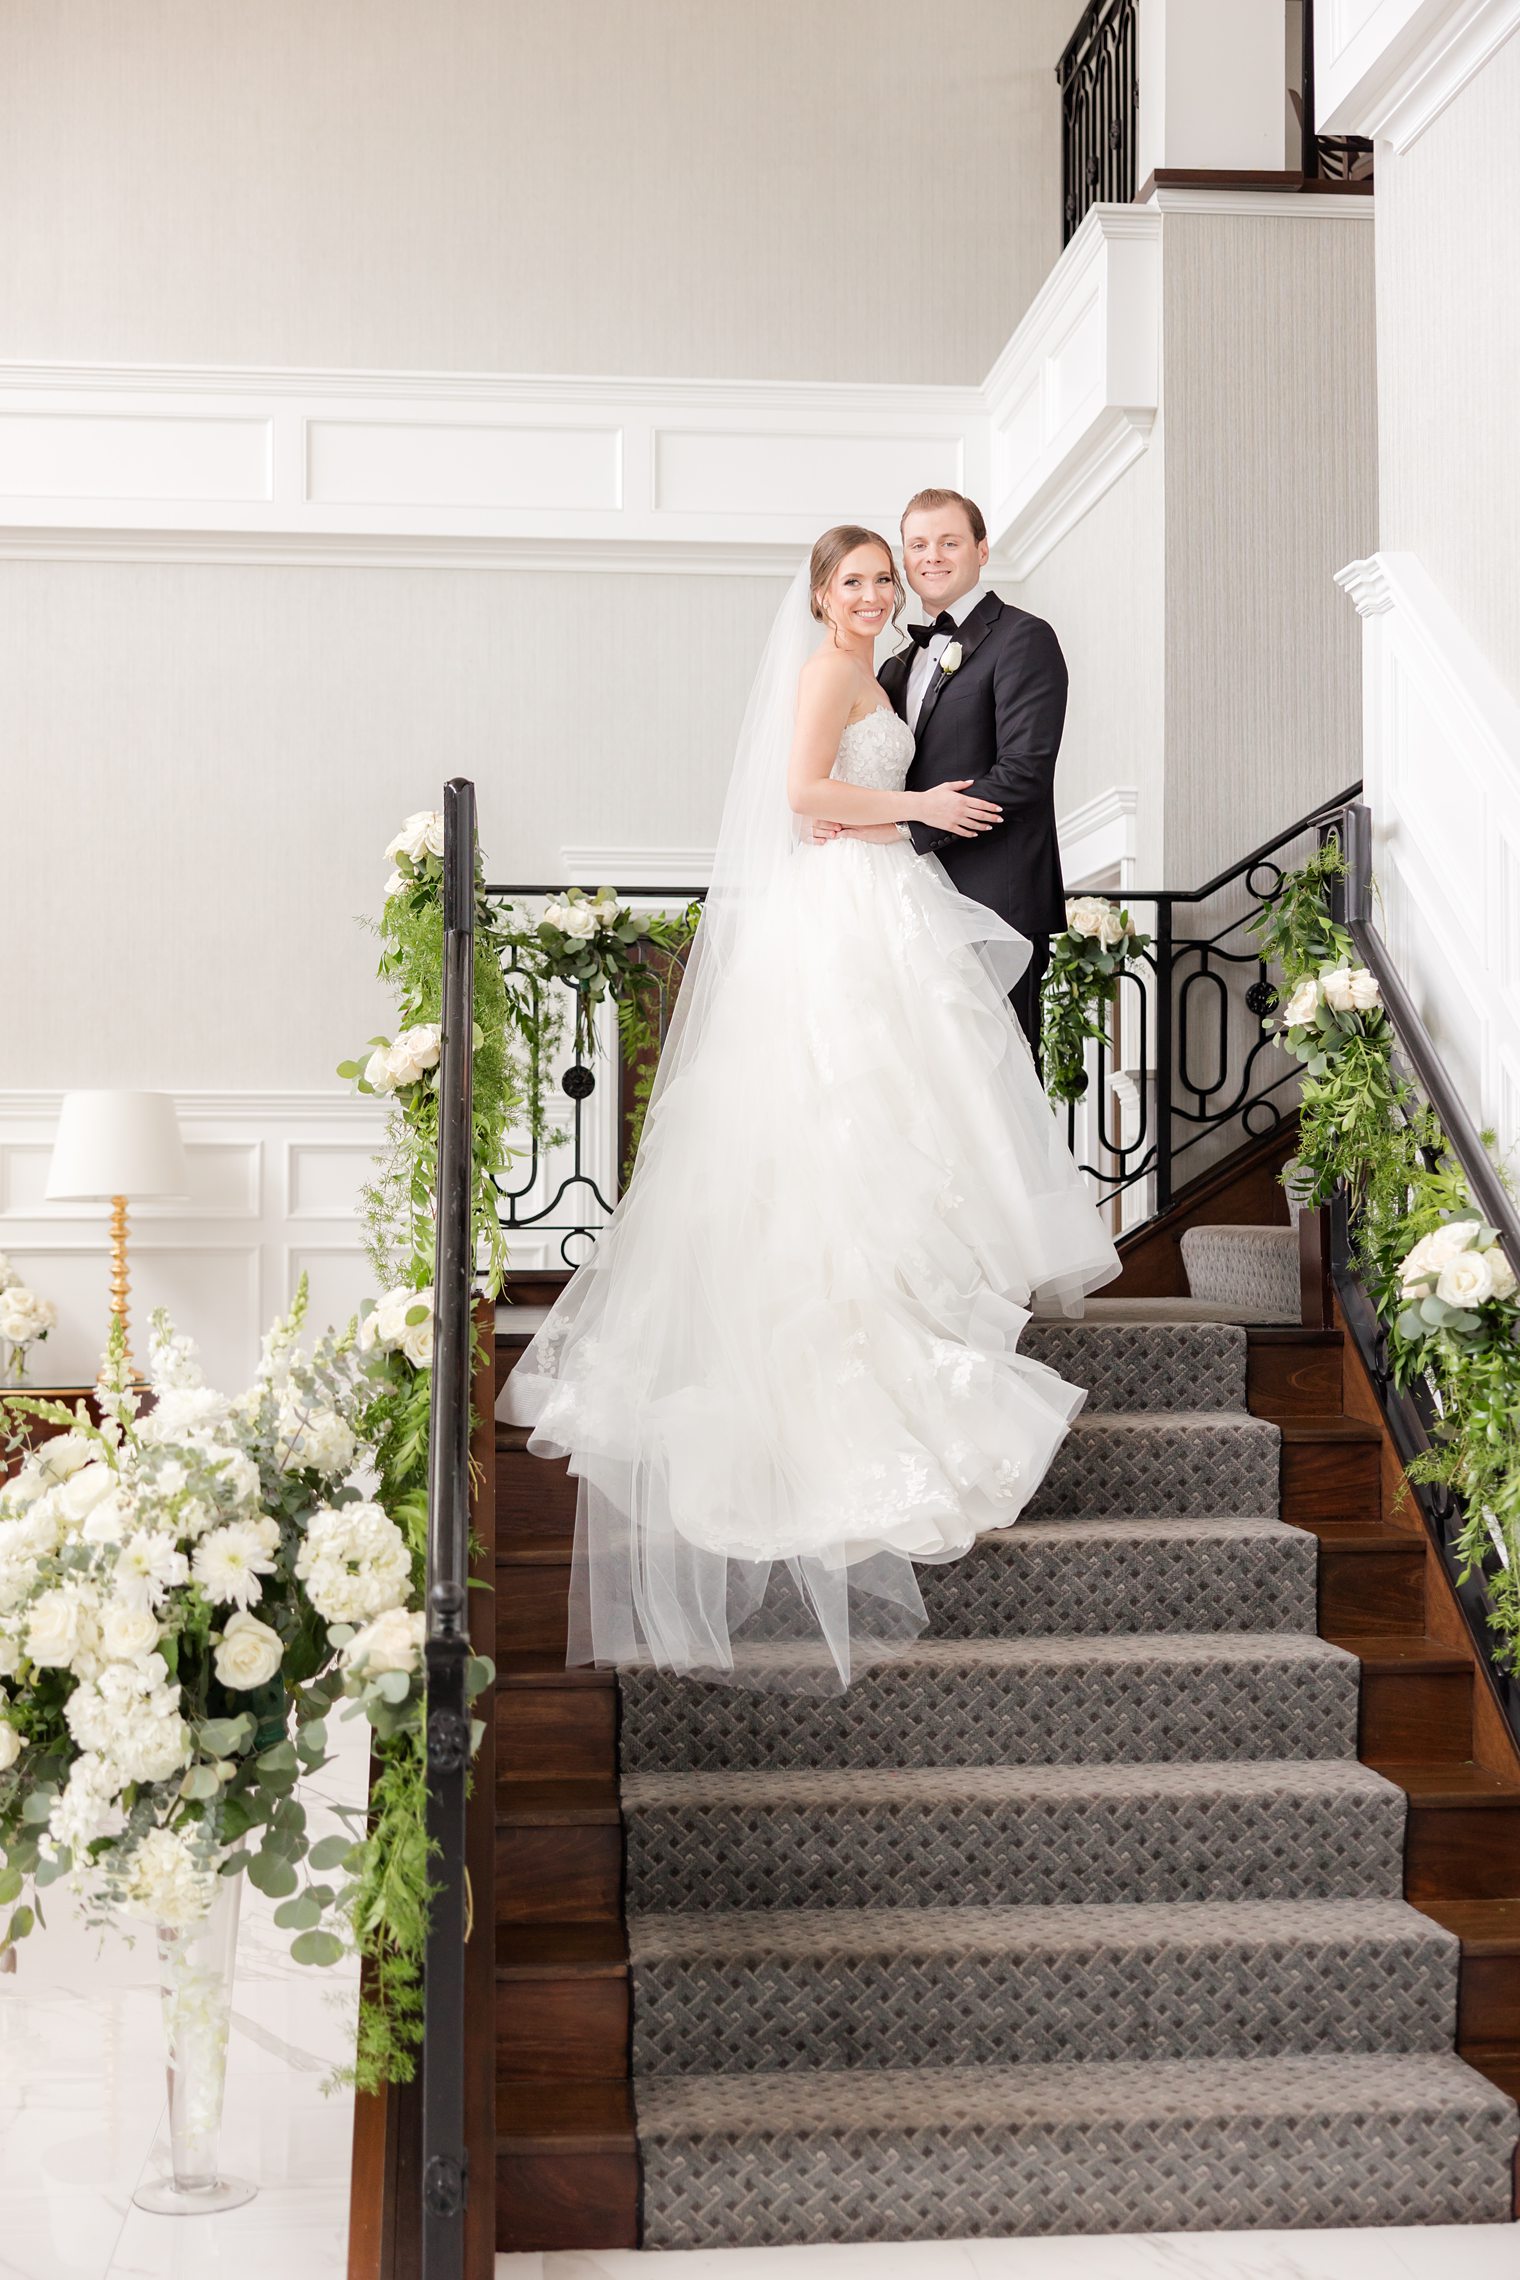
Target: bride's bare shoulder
(828, 669)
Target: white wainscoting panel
(1441, 764)
(1072, 399)
(1386, 68)
(274, 1183)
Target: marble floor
(82, 2120)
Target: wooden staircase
(567, 2162)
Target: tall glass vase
(195, 1968)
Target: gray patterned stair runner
(1079, 1916)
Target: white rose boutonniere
(950, 658)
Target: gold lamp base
(120, 1280)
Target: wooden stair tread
(1318, 1432)
(512, 1437)
(1456, 1783)
(1485, 1927)
(574, 1802)
(1387, 1651)
(561, 1951)
(564, 2117)
(1290, 1334)
(530, 1667)
(526, 1547)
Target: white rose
(1502, 1272)
(250, 1653)
(1450, 1240)
(396, 885)
(127, 1632)
(416, 1339)
(1112, 929)
(1302, 1005)
(377, 1070)
(580, 921)
(420, 836)
(83, 1490)
(555, 914)
(66, 1454)
(393, 1641)
(1466, 1280)
(10, 1746)
(1086, 914)
(61, 1625)
(1335, 984)
(950, 658)
(608, 914)
(24, 1316)
(1364, 989)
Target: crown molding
(300, 550)
(1278, 205)
(1387, 68)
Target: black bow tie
(921, 635)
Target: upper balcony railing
(1099, 100)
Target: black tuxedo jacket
(998, 720)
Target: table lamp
(116, 1148)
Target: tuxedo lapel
(974, 631)
(894, 679)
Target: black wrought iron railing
(1413, 1412)
(1099, 102)
(445, 2161)
(1323, 158)
(559, 1199)
(1190, 1069)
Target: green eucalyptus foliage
(1364, 1129)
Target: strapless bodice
(876, 751)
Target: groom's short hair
(934, 498)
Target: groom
(983, 688)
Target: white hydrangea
(354, 1563)
(393, 1641)
(389, 1329)
(87, 1806)
(313, 1440)
(229, 1562)
(165, 1882)
(129, 1717)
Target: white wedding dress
(789, 1372)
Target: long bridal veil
(787, 1375)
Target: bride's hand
(947, 808)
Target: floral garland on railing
(599, 950)
(1087, 964)
(390, 1907)
(1437, 1274)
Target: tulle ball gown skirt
(789, 1371)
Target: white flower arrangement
(176, 1582)
(1324, 1006)
(400, 1323)
(1456, 1268)
(25, 1319)
(393, 1066)
(1098, 920)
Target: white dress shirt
(927, 659)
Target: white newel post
(1212, 78)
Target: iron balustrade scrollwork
(569, 1194)
(1190, 1054)
(1099, 101)
(445, 2156)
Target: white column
(1211, 76)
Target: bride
(789, 1371)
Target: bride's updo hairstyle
(830, 550)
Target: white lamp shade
(116, 1143)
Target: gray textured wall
(1271, 487)
(626, 186)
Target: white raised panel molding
(1386, 68)
(274, 1184)
(1098, 840)
(352, 468)
(636, 867)
(1072, 399)
(1441, 765)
